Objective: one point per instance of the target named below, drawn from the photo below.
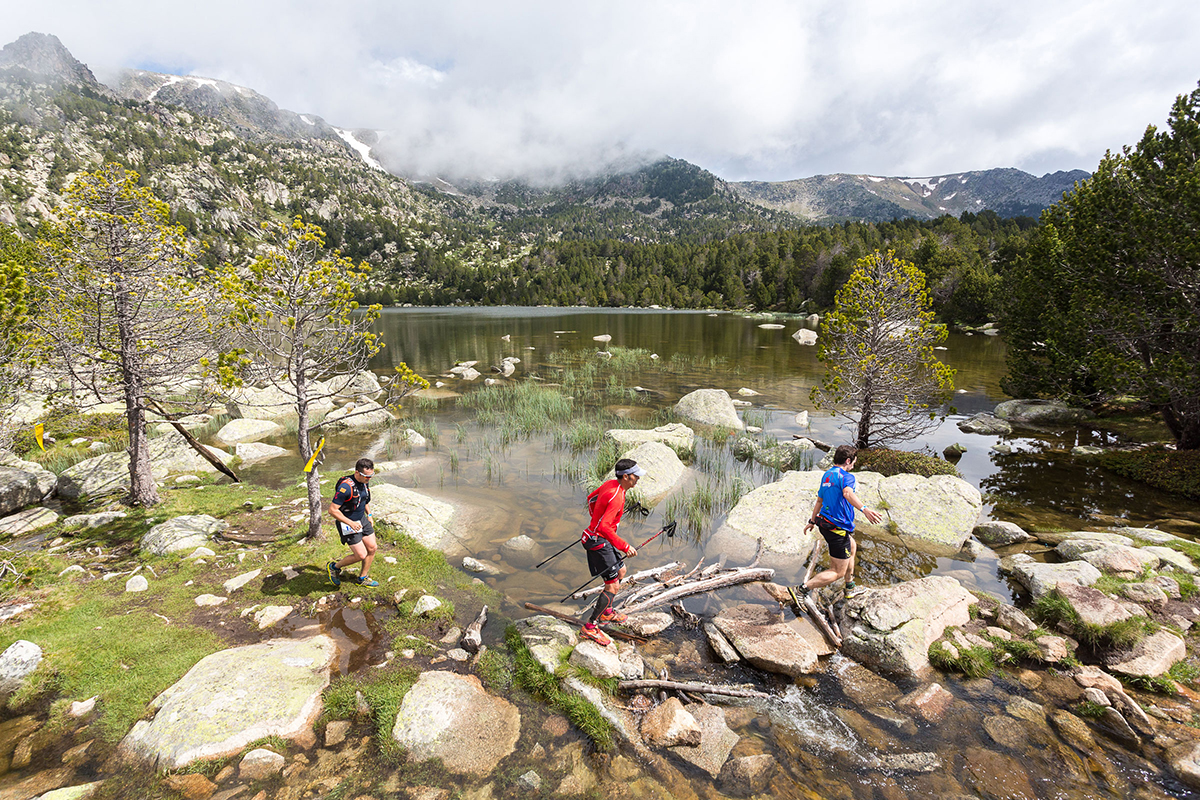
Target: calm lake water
(823, 742)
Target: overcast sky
(749, 90)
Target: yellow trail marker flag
(39, 431)
(320, 446)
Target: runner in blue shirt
(833, 515)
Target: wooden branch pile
(667, 586)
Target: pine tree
(877, 347)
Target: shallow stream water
(826, 744)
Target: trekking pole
(560, 552)
(668, 529)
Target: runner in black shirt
(351, 512)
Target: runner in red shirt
(601, 541)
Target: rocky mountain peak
(44, 56)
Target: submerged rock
(669, 725)
(985, 424)
(232, 698)
(998, 534)
(716, 741)
(894, 626)
(1041, 412)
(450, 716)
(709, 407)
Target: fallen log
(817, 443)
(733, 578)
(815, 614)
(689, 686)
(625, 637)
(472, 640)
(200, 449)
(637, 576)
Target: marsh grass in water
(383, 689)
(974, 662)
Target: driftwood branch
(472, 640)
(698, 688)
(725, 580)
(195, 445)
(817, 443)
(637, 576)
(757, 554)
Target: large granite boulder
(934, 514)
(1039, 578)
(938, 512)
(677, 436)
(669, 724)
(46, 480)
(17, 490)
(1041, 412)
(1128, 562)
(710, 407)
(108, 473)
(182, 533)
(274, 403)
(257, 452)
(360, 384)
(765, 640)
(364, 414)
(891, 628)
(27, 521)
(664, 471)
(247, 430)
(232, 698)
(1173, 558)
(783, 456)
(985, 424)
(449, 716)
(426, 520)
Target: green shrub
(1174, 471)
(896, 462)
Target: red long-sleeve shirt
(607, 504)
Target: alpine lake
(507, 478)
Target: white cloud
(765, 90)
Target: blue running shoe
(334, 572)
(363, 580)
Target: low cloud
(760, 90)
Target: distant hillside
(835, 198)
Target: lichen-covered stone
(234, 697)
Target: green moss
(1173, 471)
(896, 462)
(1187, 585)
(533, 678)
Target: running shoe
(334, 572)
(596, 635)
(853, 590)
(363, 580)
(799, 594)
(612, 616)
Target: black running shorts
(837, 538)
(603, 561)
(351, 536)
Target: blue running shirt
(834, 506)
